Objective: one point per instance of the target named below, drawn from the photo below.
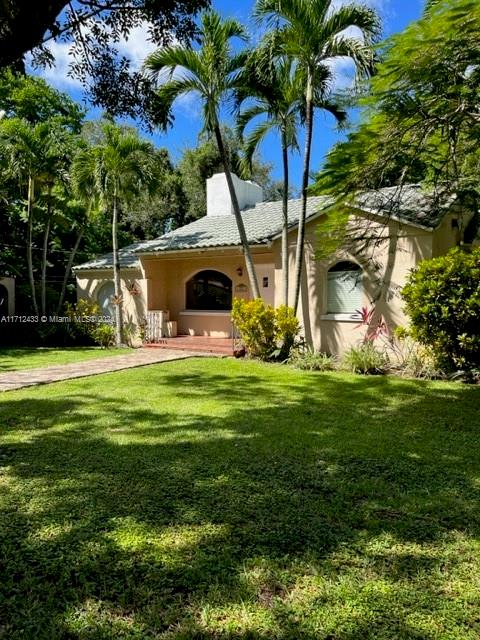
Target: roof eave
(143, 254)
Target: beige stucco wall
(386, 264)
(90, 282)
(167, 276)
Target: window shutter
(344, 292)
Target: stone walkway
(44, 375)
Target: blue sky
(396, 14)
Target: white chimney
(218, 195)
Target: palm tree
(314, 33)
(277, 97)
(212, 73)
(115, 169)
(277, 90)
(57, 150)
(32, 156)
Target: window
(104, 298)
(345, 289)
(209, 291)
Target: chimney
(218, 195)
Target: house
(7, 296)
(188, 277)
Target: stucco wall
(90, 282)
(386, 264)
(167, 277)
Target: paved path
(44, 375)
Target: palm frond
(351, 15)
(251, 144)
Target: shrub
(267, 333)
(256, 323)
(104, 335)
(443, 302)
(310, 360)
(411, 358)
(287, 328)
(366, 359)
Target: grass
(216, 499)
(13, 359)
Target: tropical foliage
(443, 302)
(210, 72)
(116, 169)
(95, 30)
(267, 333)
(313, 34)
(421, 117)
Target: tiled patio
(203, 344)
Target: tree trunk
(46, 235)
(116, 272)
(303, 211)
(68, 268)
(285, 260)
(31, 187)
(252, 275)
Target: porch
(202, 344)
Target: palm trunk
(116, 271)
(46, 235)
(31, 186)
(303, 211)
(285, 256)
(68, 268)
(252, 275)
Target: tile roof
(263, 222)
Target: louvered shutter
(345, 291)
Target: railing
(155, 328)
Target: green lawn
(12, 359)
(214, 499)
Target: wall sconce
(240, 272)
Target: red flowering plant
(375, 327)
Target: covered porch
(191, 295)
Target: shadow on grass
(254, 520)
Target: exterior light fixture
(240, 272)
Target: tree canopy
(421, 118)
(95, 28)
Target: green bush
(267, 333)
(310, 360)
(287, 328)
(366, 359)
(104, 335)
(443, 302)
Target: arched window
(104, 298)
(3, 300)
(345, 288)
(209, 291)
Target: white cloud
(58, 74)
(136, 48)
(344, 73)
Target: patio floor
(203, 344)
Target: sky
(396, 15)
